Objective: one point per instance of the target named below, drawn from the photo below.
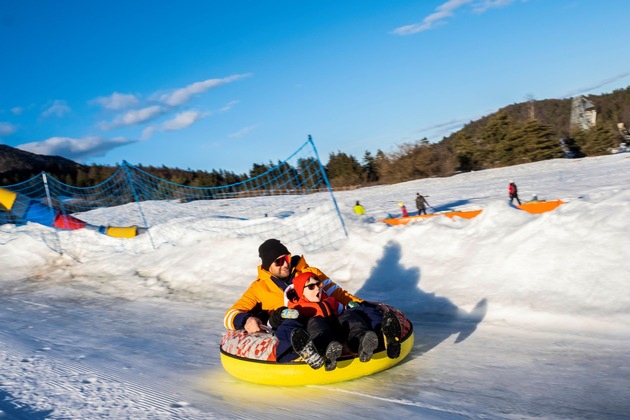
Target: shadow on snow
(18, 411)
(434, 318)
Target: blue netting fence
(135, 211)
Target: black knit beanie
(270, 250)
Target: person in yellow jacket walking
(263, 303)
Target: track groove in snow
(80, 384)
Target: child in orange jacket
(328, 325)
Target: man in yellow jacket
(264, 301)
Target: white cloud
(18, 110)
(447, 10)
(181, 96)
(242, 132)
(75, 149)
(170, 100)
(147, 133)
(182, 120)
(7, 129)
(586, 89)
(116, 101)
(178, 122)
(484, 5)
(134, 117)
(141, 115)
(229, 106)
(59, 108)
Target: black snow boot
(391, 331)
(333, 351)
(367, 345)
(303, 345)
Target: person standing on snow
(421, 204)
(513, 192)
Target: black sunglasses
(312, 286)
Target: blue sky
(226, 84)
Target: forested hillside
(519, 133)
(531, 131)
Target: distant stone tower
(583, 114)
(625, 133)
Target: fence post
(321, 168)
(52, 212)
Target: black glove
(276, 317)
(370, 303)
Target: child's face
(313, 290)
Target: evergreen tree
(530, 142)
(598, 140)
(369, 168)
(495, 142)
(465, 151)
(344, 170)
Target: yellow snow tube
(7, 198)
(300, 374)
(122, 232)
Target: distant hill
(17, 165)
(530, 131)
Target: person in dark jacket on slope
(421, 204)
